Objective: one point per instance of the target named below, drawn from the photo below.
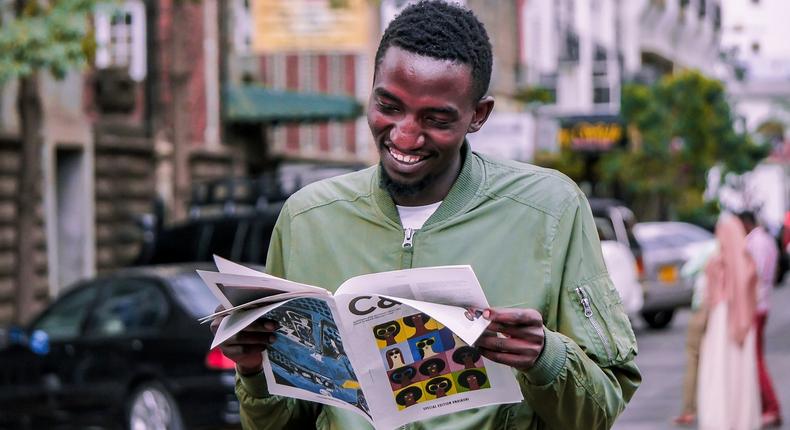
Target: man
(527, 232)
(762, 247)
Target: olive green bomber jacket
(529, 235)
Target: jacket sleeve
(586, 373)
(259, 409)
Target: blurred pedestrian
(762, 247)
(728, 394)
(694, 270)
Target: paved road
(662, 359)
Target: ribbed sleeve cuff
(254, 385)
(551, 360)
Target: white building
(754, 34)
(583, 49)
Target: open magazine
(393, 347)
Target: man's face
(419, 112)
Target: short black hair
(748, 216)
(445, 31)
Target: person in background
(762, 248)
(528, 232)
(694, 270)
(728, 394)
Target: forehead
(414, 74)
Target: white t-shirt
(415, 216)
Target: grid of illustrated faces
(426, 361)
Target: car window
(64, 318)
(130, 306)
(605, 228)
(190, 291)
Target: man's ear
(482, 111)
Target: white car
(622, 268)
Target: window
(756, 47)
(132, 306)
(701, 8)
(549, 82)
(120, 37)
(64, 319)
(600, 76)
(242, 30)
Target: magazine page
(226, 266)
(309, 359)
(241, 291)
(417, 366)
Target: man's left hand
(521, 339)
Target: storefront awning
(252, 103)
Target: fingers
(514, 337)
(246, 347)
(513, 316)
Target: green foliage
(679, 128)
(46, 36)
(534, 94)
(566, 161)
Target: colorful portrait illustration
(466, 357)
(426, 346)
(402, 376)
(387, 332)
(433, 366)
(397, 355)
(424, 360)
(472, 379)
(439, 387)
(409, 396)
(419, 324)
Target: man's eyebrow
(446, 110)
(384, 93)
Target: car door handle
(137, 345)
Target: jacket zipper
(588, 313)
(408, 235)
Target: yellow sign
(587, 136)
(310, 25)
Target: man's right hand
(246, 347)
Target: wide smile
(407, 159)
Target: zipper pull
(408, 235)
(585, 302)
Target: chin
(399, 187)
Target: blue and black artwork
(309, 353)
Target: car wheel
(151, 407)
(658, 319)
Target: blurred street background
(139, 137)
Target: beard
(400, 189)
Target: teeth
(403, 158)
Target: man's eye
(439, 123)
(384, 107)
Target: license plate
(668, 274)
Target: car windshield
(190, 291)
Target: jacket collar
(462, 192)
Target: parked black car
(120, 351)
(231, 217)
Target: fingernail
(487, 314)
(270, 326)
(272, 338)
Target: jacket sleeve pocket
(598, 309)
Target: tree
(49, 36)
(679, 128)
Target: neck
(435, 192)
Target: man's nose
(406, 134)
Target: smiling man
(528, 232)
